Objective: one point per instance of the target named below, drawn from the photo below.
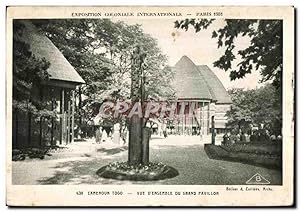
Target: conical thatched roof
(215, 85)
(42, 47)
(193, 82)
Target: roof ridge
(209, 88)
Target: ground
(78, 165)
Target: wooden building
(57, 93)
(197, 84)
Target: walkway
(79, 164)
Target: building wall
(191, 123)
(219, 113)
(202, 120)
(32, 131)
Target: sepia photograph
(148, 98)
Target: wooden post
(68, 122)
(17, 129)
(203, 116)
(41, 120)
(52, 122)
(185, 131)
(182, 131)
(213, 135)
(135, 125)
(29, 129)
(208, 114)
(200, 123)
(62, 111)
(135, 141)
(41, 132)
(73, 110)
(192, 122)
(146, 138)
(79, 107)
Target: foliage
(257, 106)
(119, 40)
(262, 155)
(74, 38)
(264, 52)
(269, 149)
(28, 73)
(101, 50)
(124, 166)
(140, 172)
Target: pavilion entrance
(193, 120)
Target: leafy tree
(74, 38)
(256, 106)
(101, 50)
(119, 40)
(28, 72)
(241, 108)
(264, 52)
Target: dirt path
(79, 165)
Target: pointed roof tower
(192, 82)
(188, 83)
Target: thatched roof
(216, 87)
(42, 47)
(194, 82)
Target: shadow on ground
(112, 151)
(191, 161)
(78, 172)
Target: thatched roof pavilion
(198, 82)
(57, 94)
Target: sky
(199, 47)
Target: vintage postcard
(150, 106)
